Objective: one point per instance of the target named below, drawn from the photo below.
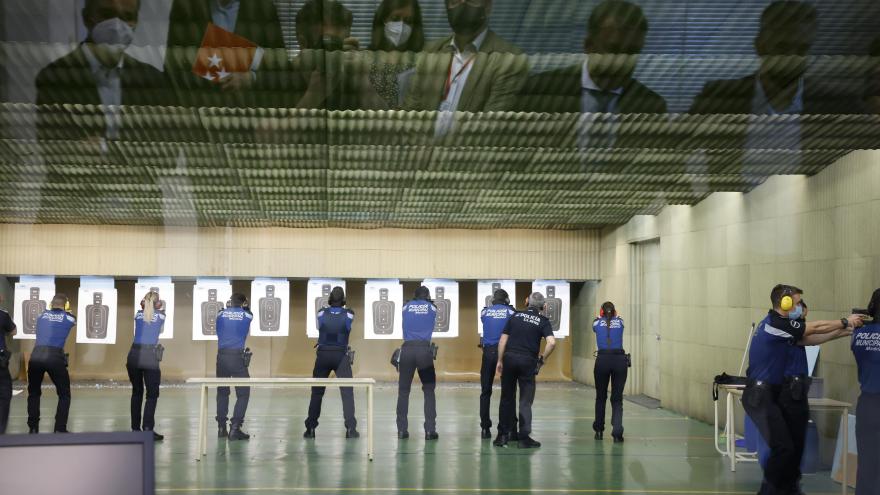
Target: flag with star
(223, 53)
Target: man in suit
(98, 72)
(603, 82)
(473, 70)
(267, 85)
(786, 33)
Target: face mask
(114, 35)
(466, 19)
(332, 43)
(397, 32)
(796, 313)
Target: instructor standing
(519, 360)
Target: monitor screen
(77, 464)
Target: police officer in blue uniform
(334, 328)
(519, 361)
(493, 318)
(6, 327)
(53, 327)
(763, 398)
(611, 365)
(793, 397)
(233, 325)
(143, 363)
(866, 349)
(416, 354)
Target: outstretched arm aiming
(821, 338)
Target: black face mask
(466, 20)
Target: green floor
(664, 452)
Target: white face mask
(114, 34)
(397, 32)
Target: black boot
(222, 432)
(431, 435)
(598, 435)
(526, 442)
(403, 435)
(235, 433)
(501, 440)
(156, 437)
(513, 436)
(309, 433)
(617, 438)
(61, 430)
(352, 433)
(486, 434)
(33, 430)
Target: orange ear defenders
(601, 312)
(787, 302)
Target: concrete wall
(721, 257)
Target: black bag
(395, 359)
(725, 379)
(246, 356)
(5, 355)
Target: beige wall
(75, 250)
(721, 257)
(458, 359)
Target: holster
(5, 355)
(395, 359)
(66, 359)
(159, 349)
(629, 361)
(434, 350)
(350, 353)
(246, 356)
(798, 387)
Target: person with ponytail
(612, 365)
(143, 363)
(866, 349)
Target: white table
(734, 392)
(206, 383)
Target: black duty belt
(611, 351)
(417, 343)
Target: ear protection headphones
(787, 302)
(67, 305)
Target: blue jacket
(866, 349)
(418, 320)
(603, 336)
(53, 327)
(233, 325)
(494, 318)
(334, 326)
(147, 332)
(771, 345)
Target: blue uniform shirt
(53, 327)
(494, 318)
(334, 326)
(866, 349)
(233, 325)
(418, 320)
(771, 346)
(796, 361)
(147, 332)
(606, 339)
